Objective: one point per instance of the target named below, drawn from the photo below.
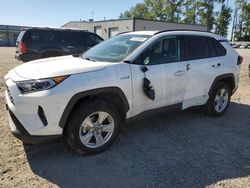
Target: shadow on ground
(184, 149)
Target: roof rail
(123, 32)
(54, 28)
(169, 30)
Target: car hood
(56, 66)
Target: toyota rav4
(86, 98)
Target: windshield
(115, 49)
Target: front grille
(10, 96)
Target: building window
(98, 30)
(113, 31)
(3, 37)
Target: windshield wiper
(89, 59)
(76, 55)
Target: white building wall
(75, 24)
(106, 26)
(109, 26)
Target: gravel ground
(177, 149)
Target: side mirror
(144, 69)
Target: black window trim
(219, 43)
(211, 45)
(207, 37)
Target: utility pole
(92, 15)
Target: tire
(219, 100)
(88, 123)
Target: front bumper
(27, 120)
(21, 133)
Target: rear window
(71, 37)
(20, 36)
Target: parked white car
(85, 99)
(243, 46)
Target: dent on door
(147, 87)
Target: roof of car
(183, 31)
(54, 28)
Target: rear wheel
(219, 100)
(93, 127)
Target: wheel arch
(226, 78)
(50, 51)
(113, 95)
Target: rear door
(71, 42)
(203, 67)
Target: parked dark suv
(38, 43)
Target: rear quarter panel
(230, 62)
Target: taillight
(23, 48)
(240, 60)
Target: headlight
(39, 85)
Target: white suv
(85, 98)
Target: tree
(140, 10)
(191, 9)
(246, 22)
(223, 20)
(206, 13)
(184, 11)
(163, 10)
(240, 19)
(173, 10)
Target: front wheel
(93, 127)
(219, 100)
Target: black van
(38, 43)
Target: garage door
(113, 31)
(98, 30)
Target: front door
(166, 73)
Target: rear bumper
(21, 133)
(26, 57)
(17, 56)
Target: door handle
(188, 66)
(70, 46)
(179, 73)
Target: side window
(166, 50)
(70, 38)
(220, 50)
(211, 47)
(196, 47)
(92, 39)
(98, 39)
(42, 35)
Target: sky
(55, 13)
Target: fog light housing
(42, 116)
